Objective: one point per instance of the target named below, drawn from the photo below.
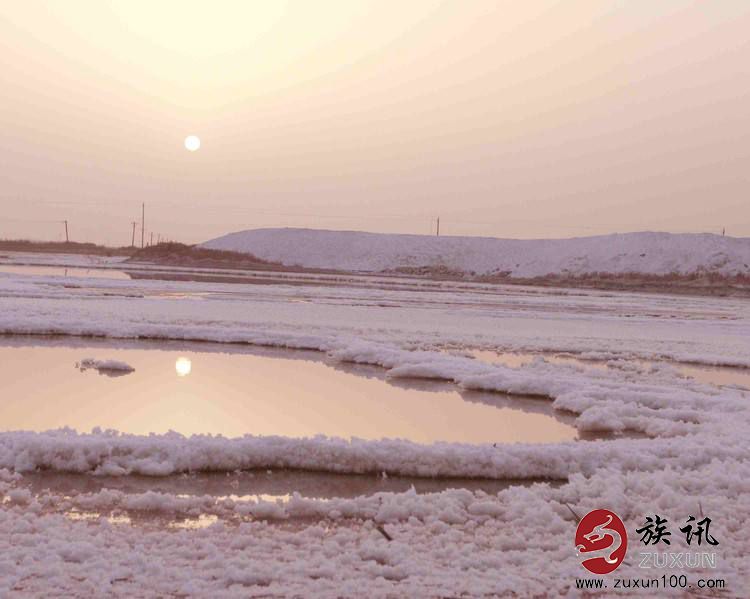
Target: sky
(511, 119)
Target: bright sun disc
(183, 366)
(192, 142)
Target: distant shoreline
(180, 255)
(63, 247)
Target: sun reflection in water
(183, 366)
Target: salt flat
(691, 455)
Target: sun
(192, 143)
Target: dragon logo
(601, 541)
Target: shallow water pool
(711, 375)
(64, 271)
(236, 390)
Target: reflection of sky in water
(65, 271)
(711, 375)
(95, 516)
(202, 521)
(256, 484)
(234, 394)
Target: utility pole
(143, 224)
(438, 226)
(152, 239)
(132, 241)
(66, 231)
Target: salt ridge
(646, 252)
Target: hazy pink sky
(514, 119)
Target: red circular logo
(601, 541)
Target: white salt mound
(105, 365)
(645, 253)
